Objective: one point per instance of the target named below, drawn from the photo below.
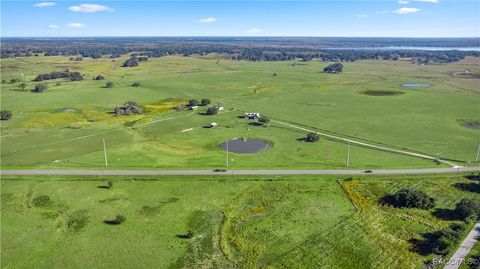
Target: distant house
(193, 107)
(221, 106)
(212, 124)
(252, 115)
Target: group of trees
(195, 102)
(334, 68)
(128, 108)
(5, 115)
(441, 242)
(73, 76)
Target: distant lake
(409, 48)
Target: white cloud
(428, 1)
(44, 4)
(89, 8)
(406, 10)
(75, 25)
(53, 26)
(254, 31)
(403, 2)
(207, 20)
(362, 16)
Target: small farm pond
(415, 85)
(251, 145)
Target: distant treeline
(251, 49)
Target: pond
(251, 145)
(415, 85)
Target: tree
(312, 137)
(131, 62)
(205, 101)
(128, 108)
(410, 198)
(136, 84)
(193, 102)
(334, 68)
(99, 77)
(23, 86)
(5, 115)
(467, 208)
(264, 120)
(212, 110)
(109, 84)
(40, 87)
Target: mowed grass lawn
(244, 222)
(425, 119)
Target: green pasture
(426, 120)
(236, 221)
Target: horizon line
(241, 36)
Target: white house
(193, 107)
(212, 124)
(252, 115)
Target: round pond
(251, 145)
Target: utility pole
(478, 153)
(227, 153)
(105, 152)
(347, 159)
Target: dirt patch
(251, 145)
(465, 75)
(382, 93)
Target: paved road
(459, 256)
(404, 152)
(238, 172)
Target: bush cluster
(409, 198)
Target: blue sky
(377, 18)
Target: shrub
(99, 77)
(212, 110)
(42, 201)
(409, 198)
(76, 220)
(136, 84)
(334, 68)
(14, 80)
(312, 137)
(466, 209)
(186, 236)
(264, 120)
(5, 115)
(110, 184)
(205, 101)
(40, 87)
(193, 102)
(119, 219)
(109, 84)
